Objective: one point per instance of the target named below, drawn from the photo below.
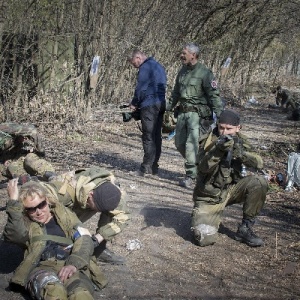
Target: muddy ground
(169, 265)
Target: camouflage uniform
(169, 122)
(72, 190)
(220, 183)
(196, 93)
(20, 229)
(21, 151)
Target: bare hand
(132, 107)
(66, 272)
(12, 189)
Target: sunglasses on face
(32, 210)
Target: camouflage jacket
(20, 227)
(169, 122)
(17, 140)
(72, 189)
(217, 170)
(195, 86)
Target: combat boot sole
(249, 243)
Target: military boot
(187, 182)
(48, 175)
(155, 169)
(106, 256)
(246, 235)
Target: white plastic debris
(252, 100)
(132, 186)
(133, 245)
(264, 147)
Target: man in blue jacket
(149, 100)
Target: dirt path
(169, 265)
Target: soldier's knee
(44, 284)
(30, 157)
(80, 288)
(257, 183)
(79, 294)
(205, 235)
(54, 291)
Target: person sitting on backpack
(87, 192)
(22, 153)
(227, 174)
(58, 261)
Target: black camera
(127, 116)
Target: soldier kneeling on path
(22, 153)
(227, 174)
(87, 192)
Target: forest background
(47, 77)
(47, 50)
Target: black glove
(95, 241)
(225, 143)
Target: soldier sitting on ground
(86, 192)
(227, 174)
(58, 262)
(22, 153)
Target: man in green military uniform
(87, 192)
(197, 95)
(21, 152)
(227, 174)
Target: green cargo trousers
(30, 164)
(207, 215)
(77, 287)
(187, 140)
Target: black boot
(155, 169)
(246, 235)
(48, 175)
(106, 256)
(187, 182)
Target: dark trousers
(151, 118)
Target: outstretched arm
(113, 222)
(15, 230)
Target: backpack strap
(208, 142)
(54, 238)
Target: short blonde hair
(31, 188)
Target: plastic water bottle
(171, 135)
(243, 171)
